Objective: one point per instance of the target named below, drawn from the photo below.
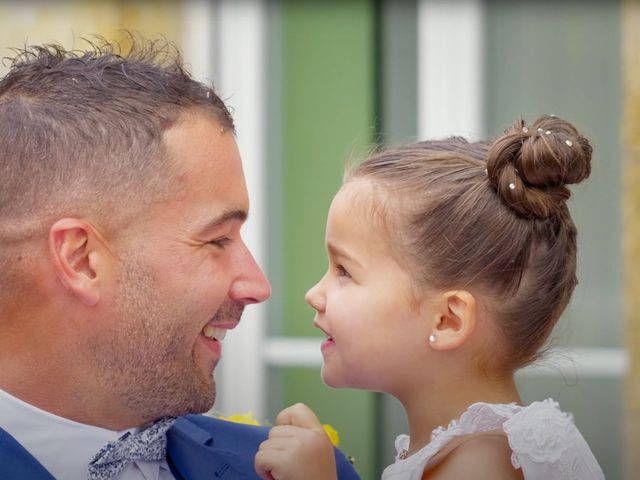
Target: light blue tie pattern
(149, 445)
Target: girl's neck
(435, 406)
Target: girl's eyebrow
(338, 252)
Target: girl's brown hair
(491, 218)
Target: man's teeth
(214, 333)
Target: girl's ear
(455, 321)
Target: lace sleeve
(547, 445)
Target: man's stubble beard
(147, 359)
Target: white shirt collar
(68, 457)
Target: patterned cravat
(149, 444)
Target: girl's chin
(331, 380)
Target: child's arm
(297, 449)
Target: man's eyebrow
(230, 215)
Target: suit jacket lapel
(192, 454)
(16, 462)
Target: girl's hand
(297, 449)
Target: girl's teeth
(214, 333)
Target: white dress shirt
(65, 447)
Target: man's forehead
(198, 144)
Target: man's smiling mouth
(214, 333)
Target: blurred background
(315, 84)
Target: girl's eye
(221, 242)
(342, 272)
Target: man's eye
(342, 272)
(221, 242)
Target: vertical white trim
(197, 39)
(450, 68)
(240, 32)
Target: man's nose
(251, 284)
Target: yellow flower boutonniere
(249, 419)
(332, 434)
(246, 418)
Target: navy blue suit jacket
(198, 448)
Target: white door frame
(239, 75)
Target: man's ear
(455, 322)
(76, 253)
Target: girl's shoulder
(543, 442)
(479, 456)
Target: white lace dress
(545, 442)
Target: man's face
(185, 277)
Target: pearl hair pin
(512, 186)
(569, 143)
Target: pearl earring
(433, 337)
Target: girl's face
(376, 334)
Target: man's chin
(203, 403)
(207, 404)
(199, 400)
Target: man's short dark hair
(83, 129)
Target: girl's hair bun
(530, 166)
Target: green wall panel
(327, 90)
(328, 116)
